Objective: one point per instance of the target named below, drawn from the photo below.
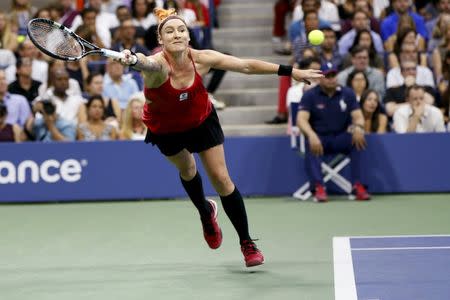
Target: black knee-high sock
(234, 207)
(194, 189)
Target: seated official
(332, 121)
(417, 115)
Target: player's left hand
(306, 75)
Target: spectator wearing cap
(17, 105)
(360, 62)
(25, 85)
(332, 121)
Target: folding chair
(330, 170)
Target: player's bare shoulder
(205, 59)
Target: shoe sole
(254, 263)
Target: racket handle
(118, 55)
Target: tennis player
(181, 120)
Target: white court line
(398, 236)
(344, 277)
(400, 248)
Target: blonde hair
(164, 15)
(6, 34)
(127, 117)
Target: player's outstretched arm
(140, 62)
(222, 61)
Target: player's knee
(188, 172)
(222, 182)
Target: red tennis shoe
(360, 192)
(252, 255)
(320, 194)
(211, 229)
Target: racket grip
(118, 55)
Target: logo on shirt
(320, 106)
(343, 105)
(184, 96)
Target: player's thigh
(184, 161)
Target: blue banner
(258, 165)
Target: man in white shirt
(424, 75)
(416, 115)
(327, 11)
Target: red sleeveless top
(176, 110)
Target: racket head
(55, 40)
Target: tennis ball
(316, 37)
(20, 38)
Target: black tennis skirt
(201, 138)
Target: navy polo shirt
(329, 115)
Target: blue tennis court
(392, 268)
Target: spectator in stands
(22, 11)
(123, 13)
(329, 51)
(327, 10)
(118, 85)
(98, 19)
(203, 19)
(360, 62)
(358, 82)
(401, 7)
(70, 107)
(364, 39)
(127, 40)
(396, 96)
(439, 32)
(443, 8)
(39, 67)
(25, 85)
(43, 12)
(360, 21)
(47, 125)
(68, 12)
(94, 86)
(8, 38)
(17, 105)
(417, 115)
(8, 132)
(405, 35)
(46, 88)
(424, 76)
(95, 128)
(360, 5)
(332, 121)
(282, 9)
(132, 127)
(445, 106)
(142, 13)
(441, 61)
(375, 120)
(299, 38)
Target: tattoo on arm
(146, 64)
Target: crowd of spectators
(42, 99)
(394, 55)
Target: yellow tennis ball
(20, 38)
(316, 37)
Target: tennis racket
(60, 42)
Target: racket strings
(55, 40)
